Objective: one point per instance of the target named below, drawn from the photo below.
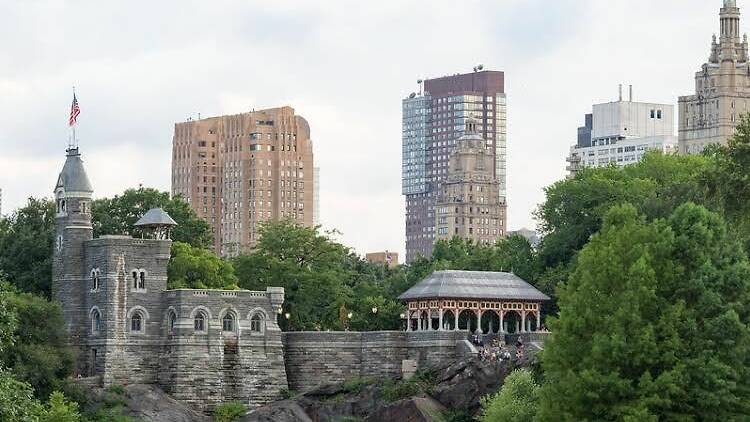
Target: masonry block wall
(317, 358)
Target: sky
(140, 66)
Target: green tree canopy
(652, 324)
(118, 215)
(39, 354)
(26, 238)
(517, 400)
(198, 268)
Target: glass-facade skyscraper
(432, 121)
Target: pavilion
(478, 301)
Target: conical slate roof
(73, 176)
(155, 217)
(475, 285)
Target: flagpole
(74, 143)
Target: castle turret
(73, 228)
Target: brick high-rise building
(238, 170)
(432, 122)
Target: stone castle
(203, 347)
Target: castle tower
(73, 228)
(469, 203)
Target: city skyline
(131, 91)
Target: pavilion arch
(260, 311)
(490, 323)
(467, 320)
(512, 321)
(449, 319)
(201, 308)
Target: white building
(621, 132)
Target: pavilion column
(502, 324)
(440, 319)
(455, 316)
(408, 320)
(523, 321)
(479, 320)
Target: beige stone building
(386, 257)
(239, 170)
(469, 203)
(722, 88)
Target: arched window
(227, 323)
(200, 322)
(172, 320)
(142, 280)
(255, 323)
(95, 279)
(96, 322)
(135, 279)
(136, 322)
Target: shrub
(229, 411)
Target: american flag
(74, 111)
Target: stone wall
(315, 358)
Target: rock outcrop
(458, 387)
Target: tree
(197, 268)
(652, 324)
(517, 400)
(26, 238)
(119, 214)
(59, 409)
(39, 355)
(17, 402)
(316, 272)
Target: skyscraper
(722, 88)
(620, 132)
(469, 204)
(239, 170)
(432, 121)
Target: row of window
(138, 279)
(200, 325)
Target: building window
(658, 114)
(200, 322)
(227, 323)
(96, 322)
(95, 279)
(172, 321)
(136, 322)
(255, 323)
(135, 279)
(142, 280)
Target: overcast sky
(345, 65)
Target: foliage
(39, 355)
(17, 402)
(652, 324)
(517, 400)
(197, 268)
(118, 215)
(229, 411)
(59, 409)
(421, 382)
(315, 272)
(26, 238)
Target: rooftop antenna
(620, 92)
(631, 93)
(420, 82)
